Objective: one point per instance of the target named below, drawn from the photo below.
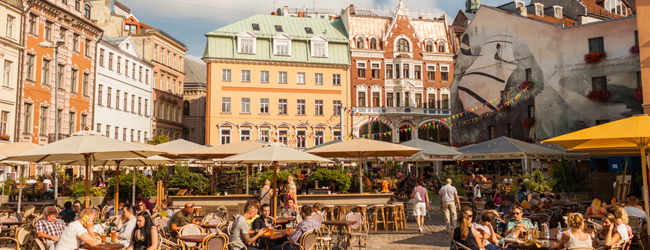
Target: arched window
(429, 46)
(87, 11)
(359, 43)
(403, 45)
(373, 43)
(441, 47)
(186, 108)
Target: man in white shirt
(448, 197)
(31, 181)
(79, 232)
(633, 210)
(126, 225)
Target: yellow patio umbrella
(625, 136)
(360, 148)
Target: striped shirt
(70, 240)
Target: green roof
(222, 42)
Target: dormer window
(282, 45)
(441, 47)
(319, 46)
(519, 5)
(256, 26)
(359, 42)
(278, 28)
(403, 45)
(428, 45)
(557, 11)
(308, 30)
(539, 9)
(373, 43)
(246, 43)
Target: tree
(158, 140)
(143, 185)
(183, 178)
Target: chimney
(523, 11)
(301, 14)
(285, 11)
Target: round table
(103, 246)
(193, 238)
(6, 211)
(209, 226)
(12, 223)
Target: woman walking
(421, 198)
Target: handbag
(417, 197)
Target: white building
(123, 91)
(10, 46)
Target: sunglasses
(515, 213)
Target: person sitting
(558, 202)
(165, 211)
(318, 207)
(485, 225)
(467, 235)
(575, 236)
(182, 218)
(142, 208)
(517, 225)
(291, 205)
(100, 182)
(125, 225)
(50, 228)
(111, 212)
(621, 222)
(47, 185)
(257, 205)
(240, 230)
(263, 220)
(304, 188)
(607, 236)
(145, 234)
(505, 206)
(291, 196)
(74, 215)
(333, 187)
(67, 208)
(307, 224)
(611, 202)
(595, 210)
(266, 193)
(632, 209)
(78, 232)
(146, 202)
(490, 207)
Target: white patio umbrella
(275, 153)
(10, 149)
(85, 146)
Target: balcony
(50, 137)
(403, 110)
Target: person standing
(449, 202)
(421, 196)
(266, 193)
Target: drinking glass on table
(113, 236)
(103, 236)
(270, 229)
(289, 229)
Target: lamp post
(45, 44)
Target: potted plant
(528, 122)
(4, 137)
(634, 49)
(638, 94)
(599, 95)
(594, 57)
(525, 84)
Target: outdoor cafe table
(277, 234)
(340, 233)
(194, 238)
(284, 220)
(12, 223)
(103, 246)
(208, 227)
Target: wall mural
(495, 55)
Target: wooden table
(277, 235)
(340, 233)
(284, 220)
(193, 238)
(6, 211)
(103, 246)
(13, 223)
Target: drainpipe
(92, 103)
(20, 84)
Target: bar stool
(329, 209)
(342, 210)
(363, 210)
(379, 210)
(391, 216)
(401, 216)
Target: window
(509, 130)
(407, 96)
(529, 75)
(42, 130)
(428, 45)
(318, 79)
(359, 43)
(245, 75)
(406, 70)
(126, 67)
(300, 78)
(139, 105)
(336, 134)
(10, 26)
(62, 33)
(117, 133)
(119, 63)
(444, 73)
(117, 99)
(29, 69)
(301, 107)
(84, 86)
(599, 83)
(124, 134)
(282, 48)
(155, 52)
(264, 76)
(531, 111)
(301, 141)
(87, 11)
(77, 5)
(110, 59)
(402, 45)
(245, 135)
(133, 104)
(558, 13)
(140, 74)
(264, 105)
(417, 74)
(45, 74)
(61, 73)
(308, 30)
(256, 26)
(431, 73)
(282, 106)
(133, 71)
(337, 108)
(99, 127)
(538, 10)
(318, 137)
(361, 99)
(4, 121)
(225, 75)
(155, 109)
(431, 101)
(73, 81)
(444, 101)
(247, 46)
(132, 134)
(99, 94)
(174, 61)
(336, 79)
(398, 99)
(225, 136)
(83, 121)
(601, 122)
(361, 69)
(418, 100)
(375, 70)
(389, 71)
(225, 104)
(59, 119)
(6, 79)
(493, 132)
(28, 118)
(162, 55)
(71, 128)
(373, 43)
(264, 135)
(278, 28)
(87, 47)
(397, 73)
(283, 137)
(596, 45)
(126, 101)
(146, 107)
(320, 49)
(245, 105)
(146, 77)
(318, 107)
(101, 58)
(75, 42)
(375, 99)
(282, 77)
(32, 24)
(389, 99)
(48, 31)
(441, 47)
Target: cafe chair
(357, 230)
(638, 231)
(214, 220)
(236, 243)
(223, 227)
(215, 241)
(25, 236)
(105, 210)
(7, 230)
(324, 240)
(379, 211)
(307, 241)
(189, 229)
(9, 240)
(460, 246)
(580, 248)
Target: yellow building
(277, 78)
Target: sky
(189, 20)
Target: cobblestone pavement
(433, 237)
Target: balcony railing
(402, 110)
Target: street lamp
(45, 44)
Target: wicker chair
(215, 220)
(189, 229)
(580, 248)
(236, 243)
(359, 228)
(307, 241)
(14, 241)
(460, 246)
(639, 231)
(216, 241)
(25, 236)
(162, 224)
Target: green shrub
(158, 140)
(143, 185)
(456, 180)
(183, 178)
(324, 176)
(536, 181)
(259, 178)
(79, 190)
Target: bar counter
(235, 199)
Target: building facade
(53, 21)
(502, 50)
(194, 100)
(11, 48)
(402, 67)
(123, 91)
(277, 78)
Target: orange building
(51, 21)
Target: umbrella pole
(360, 176)
(117, 189)
(135, 168)
(20, 190)
(645, 184)
(56, 182)
(275, 186)
(247, 166)
(87, 159)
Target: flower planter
(528, 122)
(525, 85)
(594, 57)
(634, 49)
(599, 95)
(638, 94)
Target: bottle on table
(546, 230)
(559, 230)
